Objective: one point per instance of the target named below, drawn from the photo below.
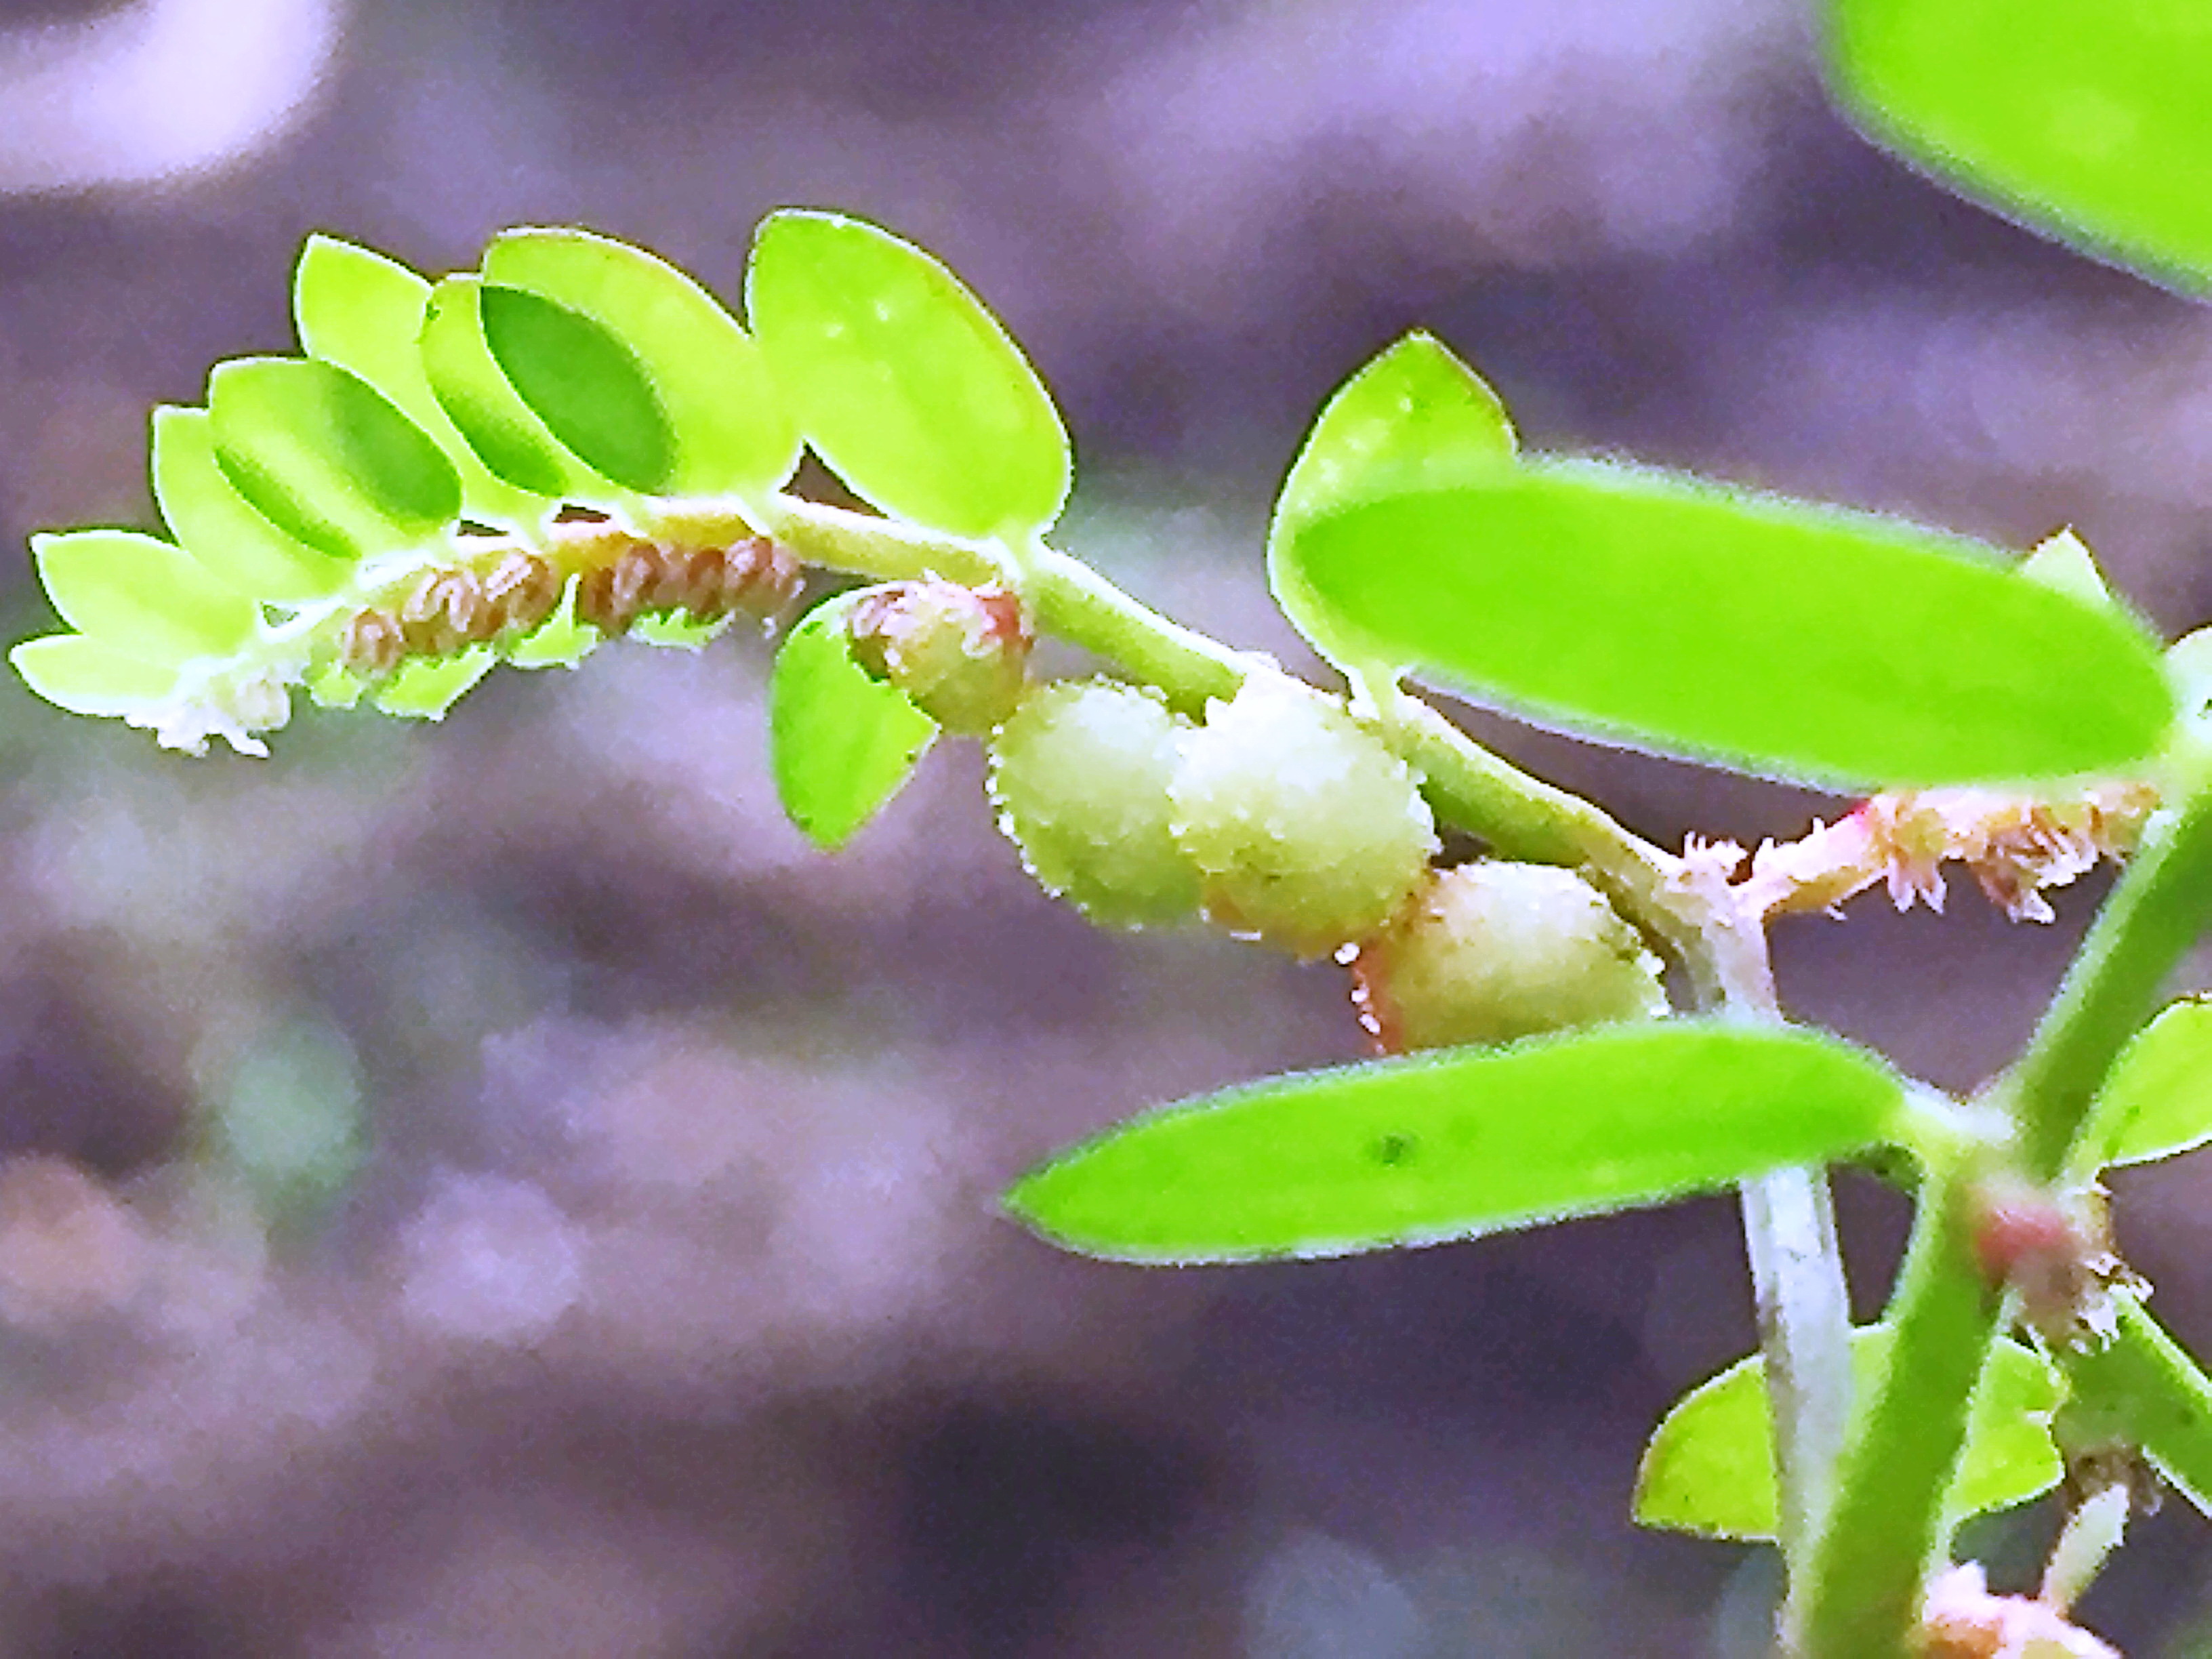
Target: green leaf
(2093, 125)
(1415, 410)
(841, 743)
(1710, 1466)
(559, 642)
(327, 458)
(2142, 1388)
(1773, 635)
(1467, 1142)
(425, 689)
(2158, 1100)
(902, 381)
(673, 630)
(2064, 564)
(363, 311)
(218, 527)
(511, 442)
(584, 384)
(336, 687)
(87, 677)
(147, 597)
(2189, 666)
(732, 432)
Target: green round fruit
(1307, 832)
(1496, 951)
(1079, 774)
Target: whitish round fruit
(1495, 951)
(1079, 773)
(1307, 832)
(960, 653)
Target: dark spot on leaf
(1395, 1149)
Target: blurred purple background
(663, 1310)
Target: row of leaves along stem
(578, 442)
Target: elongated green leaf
(363, 311)
(426, 690)
(219, 528)
(147, 597)
(511, 442)
(731, 429)
(584, 384)
(902, 381)
(2144, 1389)
(328, 458)
(1468, 1142)
(2158, 1100)
(1710, 1466)
(2092, 124)
(1415, 410)
(841, 744)
(1776, 636)
(87, 677)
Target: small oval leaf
(1414, 410)
(1774, 636)
(559, 642)
(2095, 128)
(2158, 1100)
(87, 677)
(2064, 563)
(902, 380)
(841, 743)
(328, 458)
(1420, 1151)
(220, 528)
(677, 630)
(584, 384)
(364, 312)
(732, 431)
(1710, 1466)
(426, 689)
(146, 598)
(2189, 666)
(499, 428)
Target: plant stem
(1887, 1526)
(1798, 1290)
(2154, 914)
(1075, 602)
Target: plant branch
(1718, 940)
(1887, 1526)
